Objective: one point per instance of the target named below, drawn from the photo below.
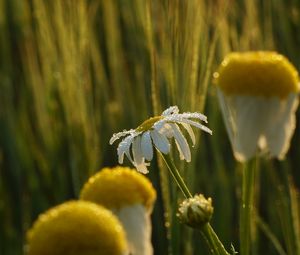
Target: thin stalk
(246, 210)
(270, 235)
(176, 175)
(215, 245)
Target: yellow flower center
(148, 124)
(257, 74)
(76, 228)
(119, 187)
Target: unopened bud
(196, 211)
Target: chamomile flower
(137, 144)
(258, 95)
(130, 196)
(76, 228)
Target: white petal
(281, 125)
(194, 115)
(160, 141)
(138, 159)
(124, 147)
(228, 115)
(137, 224)
(182, 143)
(166, 130)
(142, 168)
(117, 136)
(146, 144)
(127, 153)
(196, 124)
(246, 122)
(181, 156)
(158, 125)
(137, 151)
(190, 131)
(170, 110)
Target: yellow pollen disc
(148, 124)
(261, 73)
(118, 187)
(76, 228)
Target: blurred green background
(73, 72)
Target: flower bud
(196, 211)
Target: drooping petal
(128, 154)
(190, 131)
(194, 115)
(181, 156)
(247, 125)
(123, 148)
(137, 224)
(171, 110)
(196, 124)
(117, 136)
(137, 150)
(160, 141)
(166, 130)
(146, 144)
(281, 125)
(142, 168)
(182, 143)
(228, 116)
(138, 159)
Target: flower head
(117, 187)
(130, 195)
(76, 228)
(258, 73)
(258, 95)
(196, 211)
(158, 131)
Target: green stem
(215, 245)
(176, 175)
(246, 210)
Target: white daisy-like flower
(138, 143)
(258, 95)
